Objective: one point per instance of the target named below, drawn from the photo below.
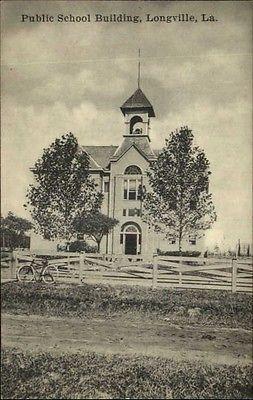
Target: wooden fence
(155, 271)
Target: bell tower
(137, 111)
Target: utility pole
(139, 69)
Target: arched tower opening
(136, 125)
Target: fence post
(155, 271)
(234, 274)
(14, 265)
(81, 266)
(69, 269)
(180, 272)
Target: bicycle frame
(39, 269)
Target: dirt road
(118, 335)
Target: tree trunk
(98, 243)
(180, 241)
(180, 245)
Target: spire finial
(139, 69)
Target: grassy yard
(216, 308)
(94, 376)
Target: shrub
(81, 245)
(177, 253)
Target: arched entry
(131, 238)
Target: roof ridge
(111, 145)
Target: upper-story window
(131, 189)
(132, 186)
(132, 170)
(106, 187)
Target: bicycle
(39, 271)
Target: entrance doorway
(130, 243)
(131, 239)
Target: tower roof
(138, 102)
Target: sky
(73, 77)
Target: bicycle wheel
(47, 278)
(25, 274)
(52, 270)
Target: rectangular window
(134, 212)
(125, 189)
(124, 212)
(131, 189)
(139, 192)
(131, 212)
(172, 239)
(192, 240)
(106, 187)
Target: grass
(91, 376)
(218, 308)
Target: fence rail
(155, 271)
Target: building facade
(120, 173)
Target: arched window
(131, 229)
(132, 170)
(134, 120)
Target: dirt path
(118, 335)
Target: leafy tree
(13, 229)
(180, 203)
(63, 189)
(95, 226)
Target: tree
(179, 204)
(239, 248)
(95, 226)
(63, 189)
(13, 229)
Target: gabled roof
(99, 155)
(138, 101)
(140, 143)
